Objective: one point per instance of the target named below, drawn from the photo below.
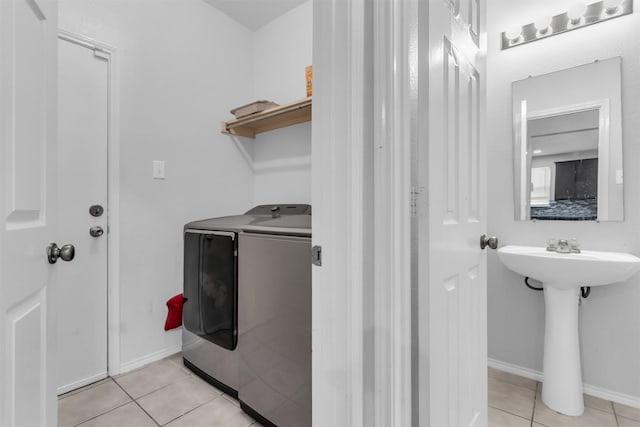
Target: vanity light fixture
(576, 14)
(543, 25)
(513, 33)
(612, 7)
(579, 15)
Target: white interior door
(81, 291)
(455, 293)
(28, 30)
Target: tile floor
(162, 393)
(167, 393)
(515, 401)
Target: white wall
(181, 69)
(282, 158)
(609, 318)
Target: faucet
(563, 246)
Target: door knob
(485, 241)
(96, 231)
(67, 252)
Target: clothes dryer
(274, 279)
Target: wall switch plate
(619, 176)
(158, 169)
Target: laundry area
(199, 115)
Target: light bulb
(543, 24)
(611, 6)
(576, 12)
(513, 33)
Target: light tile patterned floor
(159, 394)
(515, 401)
(167, 393)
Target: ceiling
(253, 14)
(565, 133)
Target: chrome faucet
(563, 246)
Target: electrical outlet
(158, 169)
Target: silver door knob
(67, 252)
(96, 231)
(485, 241)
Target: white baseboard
(150, 358)
(515, 369)
(591, 390)
(613, 396)
(81, 383)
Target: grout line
(499, 410)
(234, 402)
(139, 406)
(188, 375)
(535, 401)
(104, 413)
(83, 388)
(505, 411)
(91, 387)
(615, 415)
(511, 384)
(191, 410)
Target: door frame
(342, 196)
(361, 154)
(394, 101)
(109, 54)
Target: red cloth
(174, 316)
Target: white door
(81, 291)
(28, 30)
(456, 271)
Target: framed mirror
(568, 144)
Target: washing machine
(274, 347)
(211, 304)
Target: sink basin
(566, 271)
(562, 275)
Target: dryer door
(211, 287)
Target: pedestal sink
(562, 275)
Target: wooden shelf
(273, 118)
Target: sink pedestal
(562, 378)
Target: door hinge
(316, 255)
(415, 193)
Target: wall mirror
(568, 144)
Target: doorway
(83, 288)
